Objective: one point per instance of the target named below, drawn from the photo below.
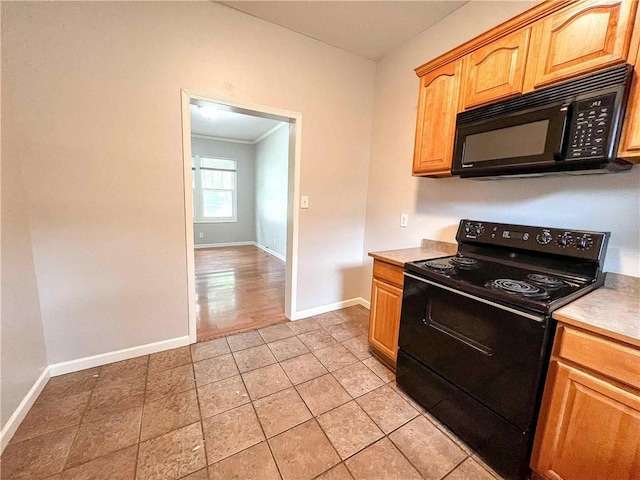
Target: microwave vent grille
(612, 77)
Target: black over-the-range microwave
(571, 127)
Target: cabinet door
(630, 144)
(438, 105)
(586, 36)
(384, 320)
(496, 71)
(589, 429)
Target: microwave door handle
(561, 153)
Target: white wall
(99, 131)
(244, 230)
(23, 356)
(592, 202)
(272, 172)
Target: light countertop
(429, 249)
(613, 310)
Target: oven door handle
(459, 337)
(493, 304)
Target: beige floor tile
(254, 357)
(349, 429)
(427, 448)
(388, 409)
(275, 332)
(115, 396)
(281, 411)
(358, 346)
(173, 358)
(288, 348)
(244, 340)
(71, 383)
(134, 368)
(470, 470)
(120, 465)
(339, 472)
(303, 368)
(214, 369)
(344, 331)
(212, 348)
(357, 379)
(329, 318)
(169, 413)
(381, 461)
(199, 475)
(354, 314)
(335, 357)
(317, 339)
(265, 381)
(303, 326)
(322, 394)
(105, 435)
(223, 395)
(169, 382)
(52, 414)
(172, 455)
(37, 457)
(376, 366)
(231, 432)
(255, 463)
(303, 452)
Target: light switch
(404, 220)
(304, 201)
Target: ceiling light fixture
(208, 111)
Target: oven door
(511, 143)
(494, 353)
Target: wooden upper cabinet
(438, 104)
(496, 71)
(630, 143)
(584, 37)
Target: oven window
(520, 141)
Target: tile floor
(298, 400)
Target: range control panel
(573, 243)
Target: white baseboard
(330, 308)
(219, 245)
(268, 250)
(18, 415)
(110, 357)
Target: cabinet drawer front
(389, 273)
(617, 361)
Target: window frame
(198, 202)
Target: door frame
(293, 194)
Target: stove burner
(438, 267)
(464, 262)
(517, 287)
(546, 280)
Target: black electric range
(476, 330)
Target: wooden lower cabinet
(589, 426)
(384, 316)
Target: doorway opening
(241, 186)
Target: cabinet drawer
(389, 273)
(612, 359)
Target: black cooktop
(523, 285)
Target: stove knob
(479, 229)
(467, 227)
(584, 242)
(544, 238)
(565, 239)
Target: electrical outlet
(201, 235)
(404, 220)
(275, 240)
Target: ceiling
(370, 29)
(219, 121)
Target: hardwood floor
(237, 289)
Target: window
(214, 189)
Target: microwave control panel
(591, 123)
